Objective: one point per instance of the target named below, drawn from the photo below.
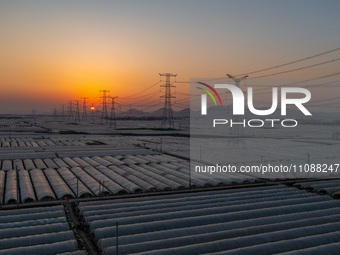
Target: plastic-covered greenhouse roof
(41, 230)
(45, 179)
(262, 220)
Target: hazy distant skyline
(55, 51)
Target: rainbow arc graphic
(209, 93)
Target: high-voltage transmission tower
(70, 110)
(84, 116)
(237, 80)
(167, 119)
(104, 110)
(113, 114)
(77, 118)
(236, 133)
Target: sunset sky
(55, 51)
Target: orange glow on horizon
(92, 108)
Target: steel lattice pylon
(84, 116)
(167, 119)
(236, 133)
(104, 110)
(77, 111)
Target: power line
(129, 98)
(104, 97)
(136, 104)
(290, 63)
(149, 107)
(325, 104)
(154, 94)
(77, 111)
(308, 80)
(84, 108)
(183, 105)
(313, 79)
(236, 134)
(167, 118)
(70, 110)
(153, 85)
(327, 99)
(237, 80)
(187, 94)
(321, 84)
(296, 69)
(307, 86)
(113, 113)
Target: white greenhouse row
(42, 142)
(330, 187)
(29, 164)
(26, 142)
(262, 220)
(36, 231)
(60, 178)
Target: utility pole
(167, 119)
(104, 110)
(84, 117)
(77, 111)
(236, 134)
(113, 113)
